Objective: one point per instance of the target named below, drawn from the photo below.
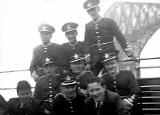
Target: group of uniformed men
(66, 75)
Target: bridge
(137, 21)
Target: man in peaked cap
(122, 82)
(69, 101)
(45, 50)
(73, 46)
(77, 65)
(99, 34)
(47, 86)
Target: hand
(87, 67)
(132, 58)
(34, 75)
(87, 58)
(84, 92)
(128, 101)
(47, 111)
(129, 52)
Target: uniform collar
(47, 45)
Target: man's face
(24, 93)
(50, 70)
(71, 36)
(93, 12)
(77, 67)
(111, 66)
(69, 90)
(96, 91)
(45, 37)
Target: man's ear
(105, 87)
(98, 9)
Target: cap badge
(68, 78)
(76, 56)
(106, 56)
(47, 59)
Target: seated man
(102, 101)
(24, 104)
(47, 86)
(122, 82)
(69, 101)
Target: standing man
(73, 46)
(47, 86)
(122, 82)
(45, 50)
(70, 101)
(99, 34)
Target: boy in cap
(47, 86)
(122, 82)
(99, 34)
(24, 104)
(73, 46)
(69, 101)
(45, 50)
(3, 105)
(77, 65)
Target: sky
(19, 32)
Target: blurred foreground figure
(3, 105)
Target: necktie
(98, 105)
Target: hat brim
(109, 59)
(70, 30)
(68, 83)
(49, 63)
(74, 61)
(89, 8)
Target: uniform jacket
(112, 105)
(102, 31)
(46, 88)
(41, 52)
(123, 83)
(62, 106)
(15, 107)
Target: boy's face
(77, 67)
(45, 37)
(71, 36)
(49, 70)
(69, 90)
(24, 93)
(96, 90)
(111, 66)
(93, 12)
